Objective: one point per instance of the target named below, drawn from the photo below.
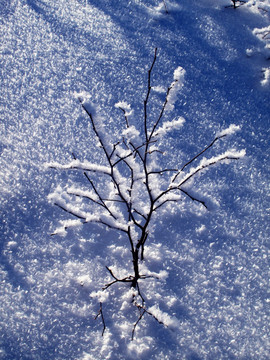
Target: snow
(209, 269)
(179, 74)
(229, 131)
(131, 133)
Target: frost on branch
(176, 86)
(229, 131)
(168, 126)
(80, 165)
(127, 190)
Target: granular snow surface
(207, 296)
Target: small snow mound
(138, 347)
(100, 295)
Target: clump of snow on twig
(266, 76)
(163, 317)
(84, 98)
(66, 224)
(131, 133)
(167, 126)
(179, 74)
(175, 87)
(125, 106)
(206, 163)
(229, 131)
(263, 34)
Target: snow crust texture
(210, 268)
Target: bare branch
(102, 203)
(70, 212)
(139, 213)
(96, 131)
(162, 109)
(127, 279)
(164, 202)
(193, 198)
(143, 311)
(160, 172)
(100, 313)
(198, 155)
(137, 322)
(134, 151)
(147, 96)
(84, 197)
(114, 148)
(125, 114)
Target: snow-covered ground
(213, 288)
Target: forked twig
(127, 279)
(198, 155)
(143, 311)
(100, 313)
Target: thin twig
(100, 312)
(143, 311)
(102, 203)
(164, 202)
(162, 109)
(206, 166)
(70, 212)
(166, 9)
(147, 96)
(137, 322)
(125, 114)
(198, 155)
(193, 198)
(128, 279)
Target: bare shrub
(134, 188)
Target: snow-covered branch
(80, 165)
